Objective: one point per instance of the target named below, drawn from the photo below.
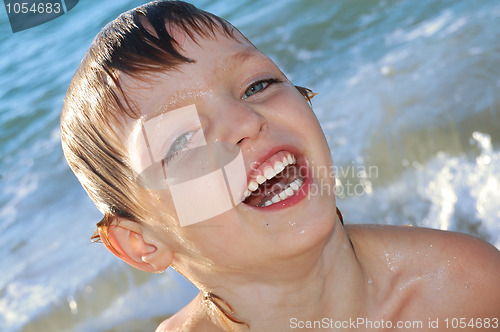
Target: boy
(168, 96)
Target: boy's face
(235, 96)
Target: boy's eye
(179, 143)
(258, 87)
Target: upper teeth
(271, 172)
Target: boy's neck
(325, 283)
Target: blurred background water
(409, 99)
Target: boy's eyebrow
(231, 61)
(242, 56)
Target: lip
(303, 165)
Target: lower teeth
(287, 192)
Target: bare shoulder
(177, 321)
(189, 318)
(411, 237)
(459, 269)
(185, 320)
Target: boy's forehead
(219, 46)
(179, 35)
(154, 93)
(213, 58)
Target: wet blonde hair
(95, 101)
(95, 104)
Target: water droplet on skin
(370, 281)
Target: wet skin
(297, 261)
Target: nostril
(241, 140)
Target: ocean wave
(459, 193)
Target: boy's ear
(128, 240)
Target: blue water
(409, 99)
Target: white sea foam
(461, 189)
(448, 192)
(424, 30)
(9, 211)
(166, 294)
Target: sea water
(409, 99)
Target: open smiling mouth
(279, 178)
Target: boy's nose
(236, 122)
